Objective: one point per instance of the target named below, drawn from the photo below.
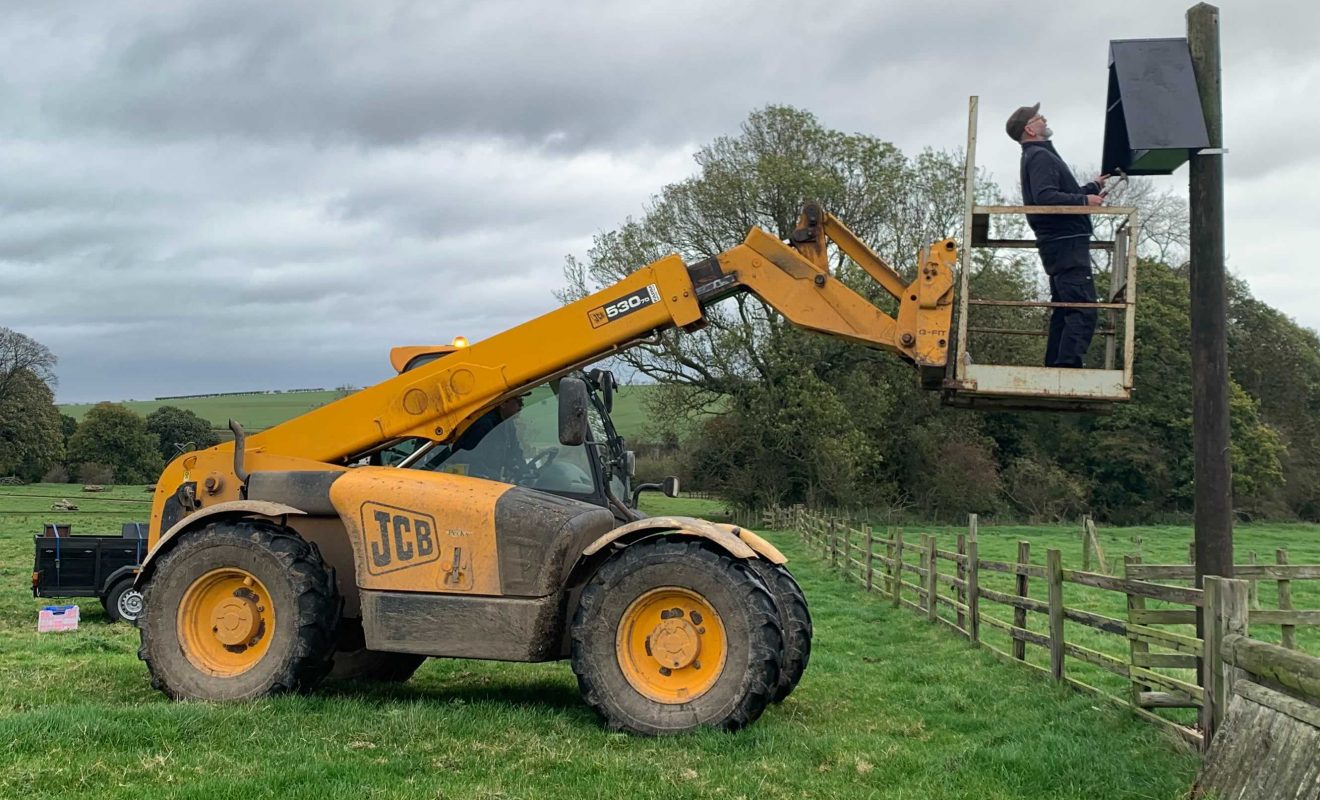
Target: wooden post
(932, 575)
(834, 543)
(1191, 552)
(960, 570)
(1086, 545)
(921, 564)
(1020, 614)
(1135, 648)
(847, 549)
(1289, 639)
(889, 570)
(1054, 575)
(1226, 612)
(897, 567)
(870, 553)
(1209, 312)
(973, 586)
(1253, 587)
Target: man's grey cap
(1017, 121)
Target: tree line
(111, 444)
(789, 416)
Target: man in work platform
(1063, 240)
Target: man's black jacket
(1047, 181)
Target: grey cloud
(212, 196)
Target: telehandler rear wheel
(671, 636)
(795, 620)
(239, 610)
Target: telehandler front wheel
(795, 620)
(671, 636)
(239, 610)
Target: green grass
(890, 707)
(258, 411)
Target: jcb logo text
(397, 538)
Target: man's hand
(1094, 200)
(1100, 180)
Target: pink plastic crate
(57, 618)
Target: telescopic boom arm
(437, 400)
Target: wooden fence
(1163, 658)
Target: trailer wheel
(238, 610)
(671, 636)
(796, 622)
(122, 602)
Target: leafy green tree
(112, 435)
(179, 430)
(30, 438)
(1277, 364)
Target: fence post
(973, 583)
(1191, 552)
(1020, 614)
(870, 553)
(932, 576)
(921, 565)
(1289, 639)
(897, 568)
(847, 548)
(1135, 648)
(1086, 544)
(889, 570)
(1225, 611)
(834, 542)
(1054, 575)
(960, 571)
(1253, 588)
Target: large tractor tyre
(239, 610)
(794, 619)
(671, 636)
(354, 662)
(122, 602)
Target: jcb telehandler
(277, 556)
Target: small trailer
(91, 566)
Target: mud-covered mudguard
(262, 508)
(737, 542)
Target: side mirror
(630, 463)
(670, 486)
(572, 412)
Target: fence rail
(1166, 668)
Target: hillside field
(258, 411)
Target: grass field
(258, 411)
(891, 707)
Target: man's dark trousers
(1068, 265)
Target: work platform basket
(972, 381)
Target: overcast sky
(218, 196)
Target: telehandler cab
(304, 547)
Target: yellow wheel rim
(671, 645)
(226, 621)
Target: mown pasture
(891, 707)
